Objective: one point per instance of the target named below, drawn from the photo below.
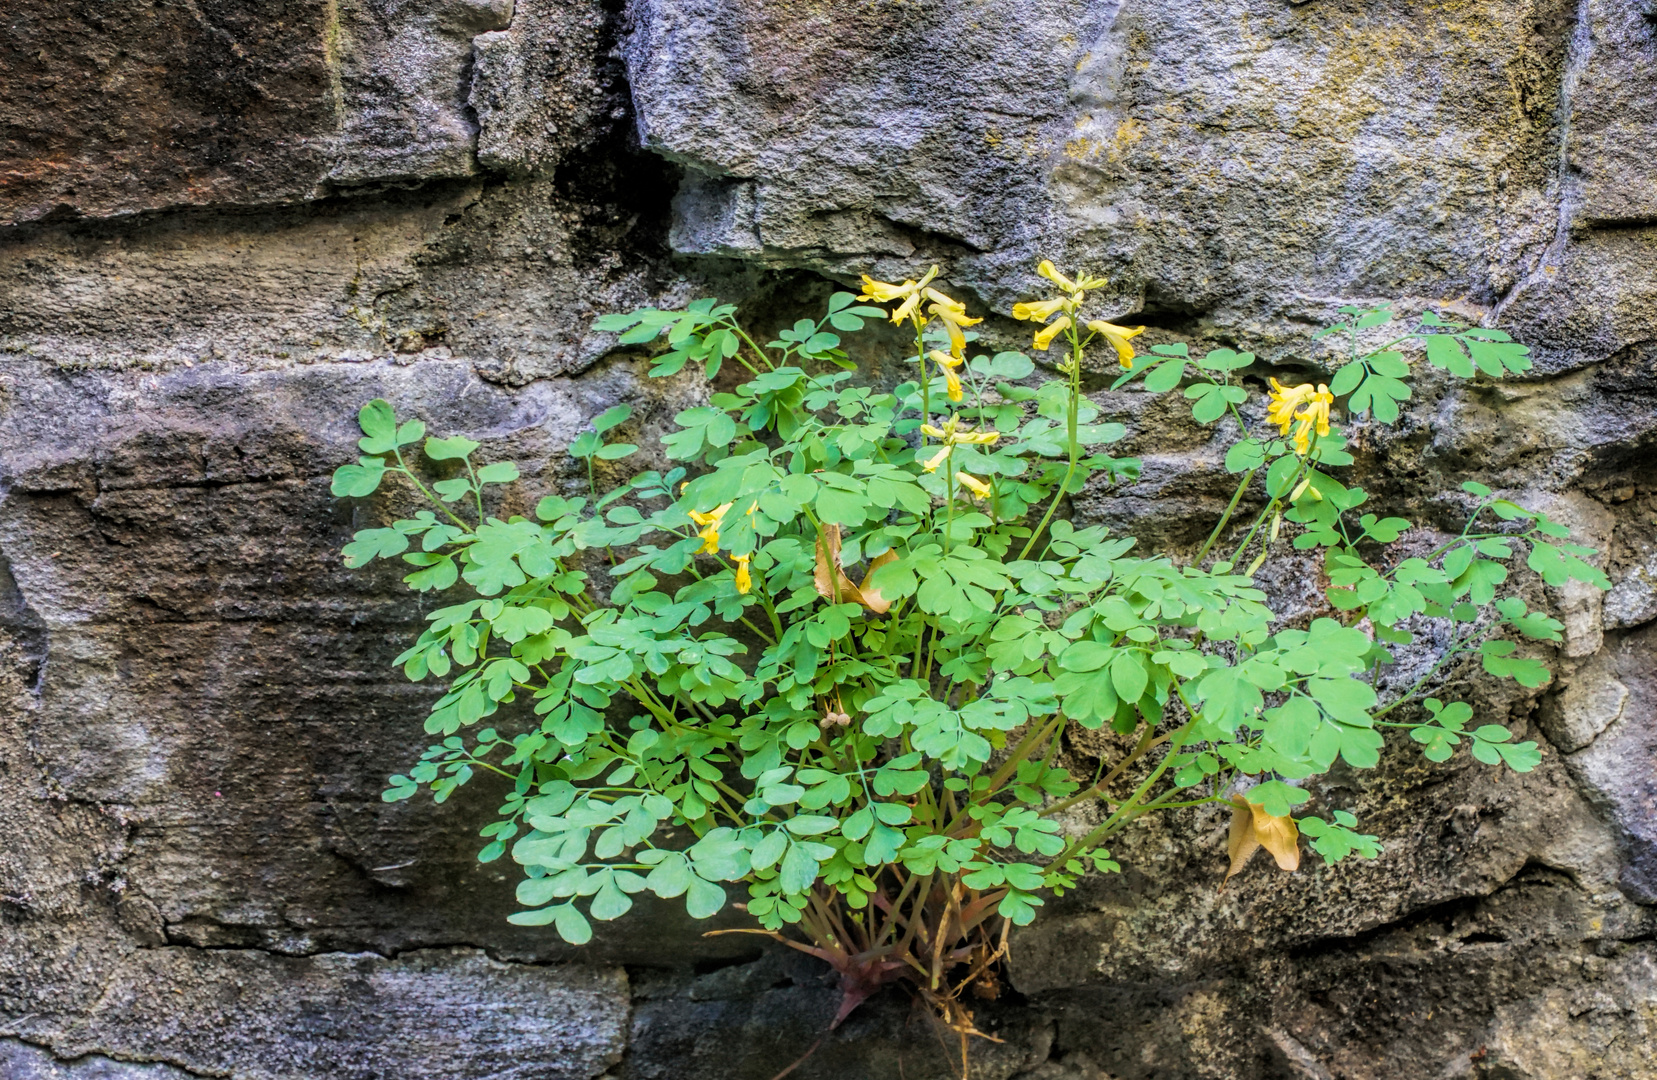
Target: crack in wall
(1577, 54)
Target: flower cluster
(1067, 307)
(952, 434)
(946, 310)
(709, 534)
(1304, 408)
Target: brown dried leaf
(1242, 844)
(871, 597)
(1252, 829)
(828, 567)
(1279, 836)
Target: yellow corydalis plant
(940, 670)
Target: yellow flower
(1045, 336)
(1314, 415)
(954, 435)
(1047, 270)
(931, 464)
(1280, 409)
(710, 528)
(1040, 311)
(1118, 336)
(953, 314)
(909, 292)
(744, 581)
(973, 484)
(947, 364)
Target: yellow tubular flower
(973, 484)
(943, 301)
(1045, 336)
(910, 306)
(931, 464)
(1313, 416)
(744, 581)
(1047, 270)
(1318, 409)
(909, 292)
(947, 364)
(936, 433)
(954, 316)
(882, 293)
(1302, 437)
(710, 528)
(1040, 311)
(1280, 409)
(977, 438)
(1118, 336)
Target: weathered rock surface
(223, 226)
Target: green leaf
(615, 323)
(669, 363)
(450, 490)
(449, 449)
(1225, 360)
(371, 544)
(703, 899)
(1246, 455)
(1087, 656)
(1344, 699)
(586, 444)
(1019, 908)
(1290, 726)
(572, 926)
(501, 472)
(1444, 351)
(1347, 379)
(1520, 757)
(356, 481)
(838, 507)
(799, 870)
(1498, 660)
(1276, 797)
(1165, 376)
(1010, 365)
(379, 427)
(1128, 675)
(610, 417)
(1210, 400)
(1280, 474)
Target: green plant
(688, 688)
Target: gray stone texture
(225, 225)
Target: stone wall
(224, 224)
